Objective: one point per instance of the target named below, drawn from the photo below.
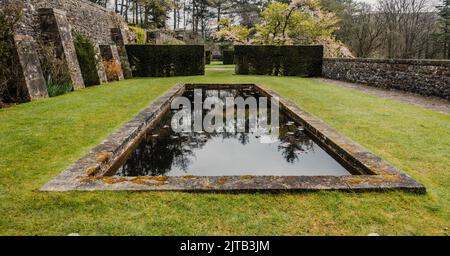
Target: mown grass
(219, 64)
(39, 139)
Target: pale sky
(368, 1)
(373, 2)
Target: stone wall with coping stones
(425, 77)
(160, 37)
(85, 17)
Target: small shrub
(140, 34)
(57, 88)
(55, 70)
(112, 69)
(86, 58)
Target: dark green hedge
(228, 57)
(208, 57)
(166, 60)
(279, 60)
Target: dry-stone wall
(426, 77)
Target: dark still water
(228, 152)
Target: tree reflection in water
(163, 150)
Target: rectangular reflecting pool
(227, 152)
(229, 137)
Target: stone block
(110, 53)
(152, 37)
(100, 67)
(119, 37)
(32, 80)
(57, 31)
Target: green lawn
(40, 139)
(219, 64)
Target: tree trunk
(288, 17)
(194, 25)
(140, 16)
(448, 50)
(174, 14)
(219, 13)
(146, 13)
(184, 16)
(134, 12)
(126, 10)
(179, 18)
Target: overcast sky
(368, 1)
(373, 2)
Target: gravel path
(433, 103)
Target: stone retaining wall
(161, 37)
(52, 23)
(425, 77)
(85, 17)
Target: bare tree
(365, 30)
(404, 21)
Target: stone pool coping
(92, 172)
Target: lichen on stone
(141, 180)
(103, 157)
(92, 171)
(374, 179)
(247, 177)
(222, 180)
(190, 177)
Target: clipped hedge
(208, 57)
(279, 60)
(228, 57)
(166, 60)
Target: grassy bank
(39, 139)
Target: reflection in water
(227, 152)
